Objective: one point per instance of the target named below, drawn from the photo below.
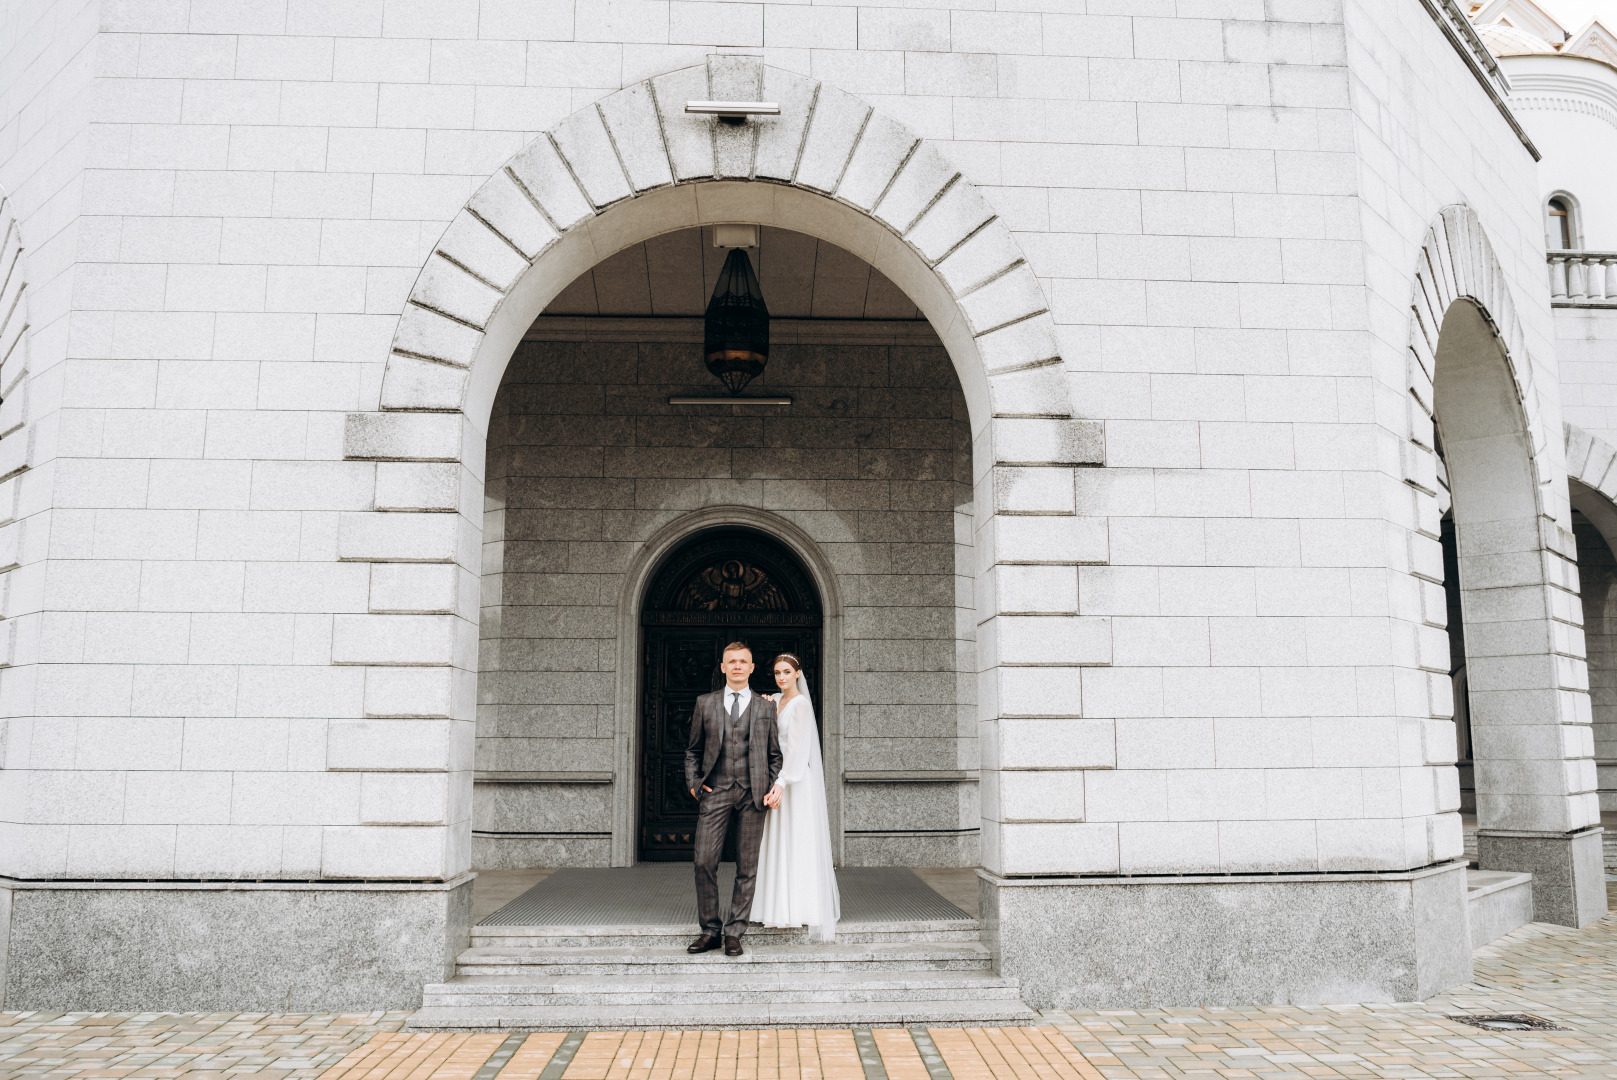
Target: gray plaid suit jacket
(707, 741)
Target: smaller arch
(637, 581)
(1563, 222)
(1591, 467)
(1457, 262)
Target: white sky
(1572, 14)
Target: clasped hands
(772, 800)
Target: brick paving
(1565, 976)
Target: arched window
(1561, 223)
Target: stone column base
(1569, 873)
(143, 946)
(1293, 939)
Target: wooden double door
(727, 585)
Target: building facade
(1140, 358)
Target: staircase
(556, 978)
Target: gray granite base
(910, 849)
(1569, 875)
(1105, 943)
(520, 852)
(253, 947)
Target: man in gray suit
(734, 758)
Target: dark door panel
(733, 585)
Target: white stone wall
(47, 55)
(257, 650)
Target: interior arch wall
(867, 479)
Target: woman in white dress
(797, 885)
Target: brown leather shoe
(705, 943)
(732, 946)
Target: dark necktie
(735, 705)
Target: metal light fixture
(736, 328)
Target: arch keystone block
(631, 119)
(780, 138)
(1019, 345)
(449, 290)
(884, 146)
(985, 255)
(412, 384)
(366, 536)
(547, 181)
(959, 212)
(402, 436)
(426, 333)
(584, 143)
(688, 139)
(475, 246)
(833, 130)
(919, 183)
(509, 212)
(1037, 442)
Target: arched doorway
(720, 586)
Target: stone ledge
(910, 776)
(510, 777)
(446, 885)
(1220, 879)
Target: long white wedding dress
(797, 885)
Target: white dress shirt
(745, 694)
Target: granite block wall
(587, 460)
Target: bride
(796, 883)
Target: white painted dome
(1503, 39)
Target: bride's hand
(772, 697)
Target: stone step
(968, 1012)
(711, 990)
(661, 960)
(598, 936)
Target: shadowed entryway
(720, 586)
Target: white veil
(825, 876)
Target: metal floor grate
(660, 894)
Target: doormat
(664, 894)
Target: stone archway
(633, 166)
(1476, 432)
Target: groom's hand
(772, 800)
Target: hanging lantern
(736, 337)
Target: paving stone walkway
(1564, 976)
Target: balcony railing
(1583, 278)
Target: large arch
(1477, 430)
(633, 166)
(829, 166)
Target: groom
(734, 758)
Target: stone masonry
(1239, 297)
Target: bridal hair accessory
(790, 658)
